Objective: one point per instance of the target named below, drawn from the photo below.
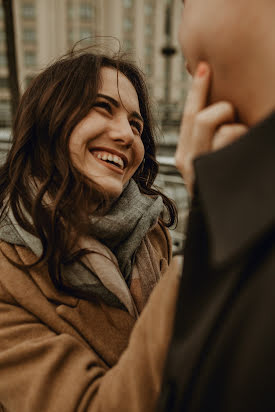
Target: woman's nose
(122, 133)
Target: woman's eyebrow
(117, 104)
(111, 99)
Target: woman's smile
(112, 161)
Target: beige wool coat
(60, 353)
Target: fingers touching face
(204, 127)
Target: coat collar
(235, 186)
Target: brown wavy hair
(55, 102)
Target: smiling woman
(83, 244)
(106, 145)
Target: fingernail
(202, 69)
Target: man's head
(237, 39)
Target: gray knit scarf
(122, 230)
(126, 224)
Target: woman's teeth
(110, 158)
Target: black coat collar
(236, 188)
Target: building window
(127, 4)
(148, 30)
(4, 82)
(3, 59)
(71, 36)
(184, 93)
(30, 59)
(70, 11)
(29, 36)
(127, 24)
(148, 51)
(28, 10)
(128, 44)
(148, 9)
(5, 113)
(85, 34)
(148, 69)
(150, 88)
(85, 11)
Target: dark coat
(222, 355)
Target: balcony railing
(170, 115)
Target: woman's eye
(104, 105)
(136, 125)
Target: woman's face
(106, 145)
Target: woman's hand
(204, 129)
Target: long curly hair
(54, 103)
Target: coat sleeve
(45, 371)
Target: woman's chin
(113, 191)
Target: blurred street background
(33, 33)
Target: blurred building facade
(47, 29)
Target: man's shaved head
(237, 39)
